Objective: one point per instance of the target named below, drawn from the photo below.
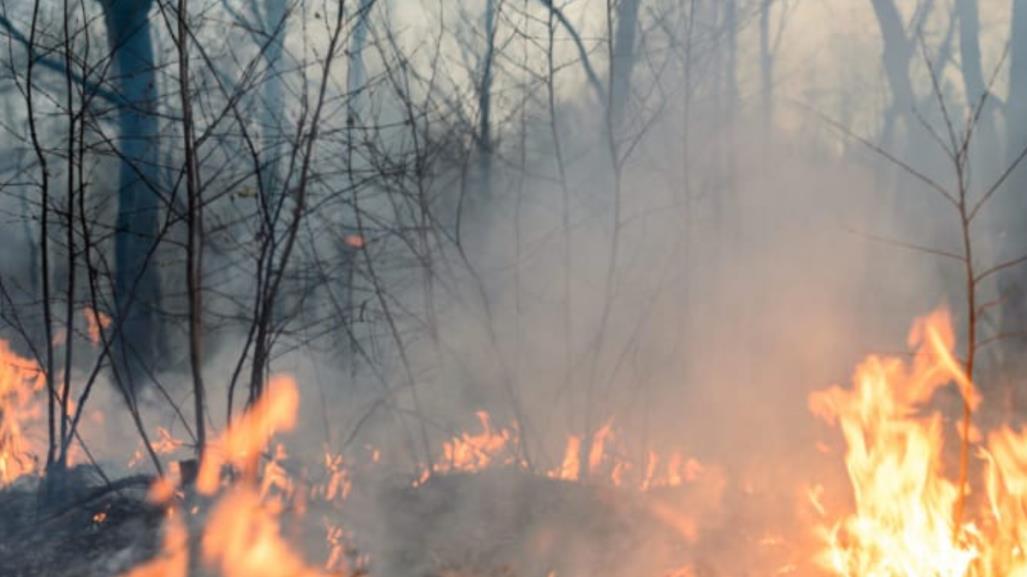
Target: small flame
(95, 322)
(469, 453)
(568, 470)
(339, 483)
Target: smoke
(686, 274)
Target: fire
(242, 536)
(173, 560)
(475, 452)
(241, 444)
(597, 453)
(469, 453)
(496, 447)
(21, 382)
(606, 463)
(568, 470)
(95, 322)
(164, 444)
(339, 484)
(904, 520)
(243, 539)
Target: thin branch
(1000, 267)
(881, 152)
(908, 245)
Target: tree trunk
(1016, 102)
(623, 59)
(986, 149)
(485, 101)
(136, 282)
(273, 107)
(356, 73)
(1011, 209)
(898, 51)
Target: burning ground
(916, 500)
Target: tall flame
(240, 445)
(242, 537)
(904, 521)
(21, 382)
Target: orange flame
(95, 321)
(469, 453)
(474, 452)
(21, 381)
(241, 444)
(242, 537)
(173, 560)
(904, 518)
(339, 483)
(568, 470)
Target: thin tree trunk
(273, 107)
(44, 245)
(898, 51)
(69, 312)
(194, 226)
(485, 101)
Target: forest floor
(94, 530)
(495, 523)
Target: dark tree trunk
(986, 153)
(136, 282)
(623, 61)
(485, 101)
(898, 51)
(273, 107)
